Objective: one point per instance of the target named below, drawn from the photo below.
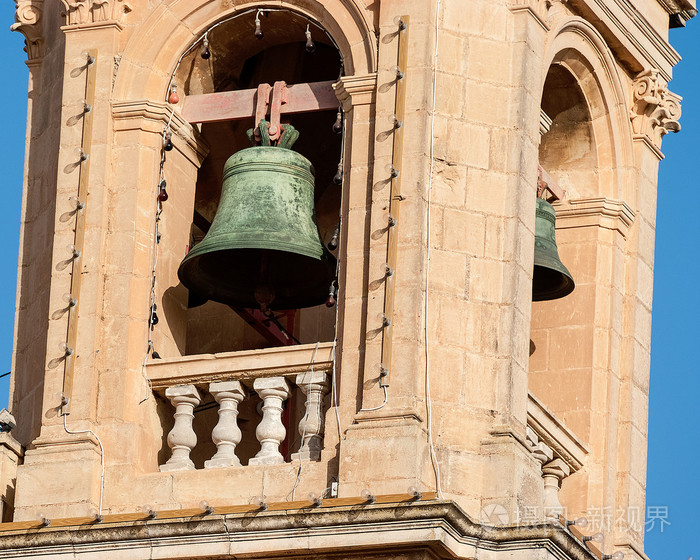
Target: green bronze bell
(551, 279)
(263, 248)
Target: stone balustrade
(273, 375)
(559, 452)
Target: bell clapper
(264, 292)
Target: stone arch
(152, 53)
(578, 50)
(576, 345)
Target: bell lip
(207, 244)
(311, 299)
(563, 289)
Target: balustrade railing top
(247, 364)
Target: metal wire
(240, 14)
(428, 400)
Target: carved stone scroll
(28, 23)
(655, 110)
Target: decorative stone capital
(28, 23)
(553, 473)
(540, 451)
(356, 90)
(655, 110)
(556, 468)
(536, 8)
(150, 116)
(80, 12)
(598, 212)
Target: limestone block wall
(467, 344)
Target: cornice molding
(359, 530)
(644, 28)
(553, 434)
(536, 8)
(356, 90)
(621, 23)
(678, 6)
(600, 212)
(150, 116)
(80, 12)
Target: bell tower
(341, 278)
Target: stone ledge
(601, 212)
(11, 444)
(440, 526)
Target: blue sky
(674, 444)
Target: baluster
(553, 473)
(314, 385)
(270, 432)
(182, 438)
(226, 434)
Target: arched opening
(576, 341)
(561, 331)
(567, 150)
(240, 61)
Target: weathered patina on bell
(551, 279)
(263, 248)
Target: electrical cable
(156, 243)
(102, 456)
(428, 400)
(334, 384)
(386, 399)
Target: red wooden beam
(267, 328)
(546, 183)
(234, 105)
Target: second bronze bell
(550, 278)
